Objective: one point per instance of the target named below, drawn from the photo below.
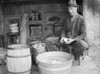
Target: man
(73, 34)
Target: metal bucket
(55, 62)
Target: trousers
(77, 47)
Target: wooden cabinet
(35, 30)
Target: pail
(54, 62)
(18, 59)
(14, 27)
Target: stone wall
(92, 18)
(1, 20)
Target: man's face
(72, 10)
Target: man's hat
(72, 3)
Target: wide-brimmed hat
(72, 3)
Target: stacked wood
(3, 53)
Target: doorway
(80, 8)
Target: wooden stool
(1, 41)
(85, 53)
(12, 38)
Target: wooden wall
(44, 8)
(15, 11)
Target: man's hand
(68, 40)
(62, 40)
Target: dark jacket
(74, 29)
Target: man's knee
(80, 46)
(84, 44)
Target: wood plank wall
(44, 8)
(47, 10)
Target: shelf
(35, 38)
(35, 22)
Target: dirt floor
(89, 65)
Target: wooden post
(23, 30)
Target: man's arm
(82, 31)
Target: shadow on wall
(53, 29)
(94, 5)
(48, 30)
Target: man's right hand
(62, 40)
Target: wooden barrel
(18, 59)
